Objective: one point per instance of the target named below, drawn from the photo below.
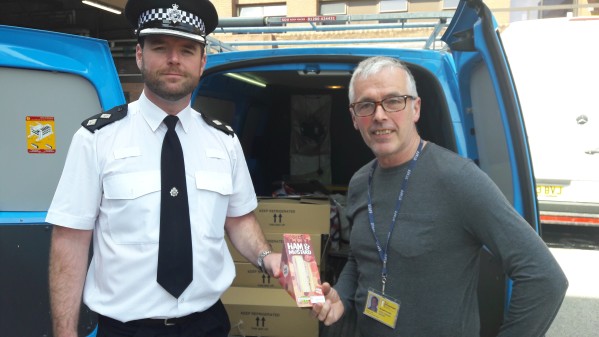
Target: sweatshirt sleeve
(539, 284)
(348, 283)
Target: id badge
(382, 308)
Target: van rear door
(497, 139)
(50, 83)
(498, 136)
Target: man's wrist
(260, 261)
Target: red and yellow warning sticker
(40, 134)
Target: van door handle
(595, 151)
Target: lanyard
(404, 185)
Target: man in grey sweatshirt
(420, 215)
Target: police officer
(112, 191)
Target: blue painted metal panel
(41, 50)
(469, 16)
(54, 52)
(238, 56)
(22, 218)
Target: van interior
(294, 124)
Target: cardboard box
(301, 278)
(268, 313)
(276, 241)
(304, 215)
(249, 276)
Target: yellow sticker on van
(40, 134)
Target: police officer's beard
(158, 87)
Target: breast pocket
(214, 190)
(132, 207)
(416, 234)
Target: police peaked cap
(191, 19)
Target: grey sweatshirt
(450, 210)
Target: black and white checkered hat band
(164, 14)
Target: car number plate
(550, 191)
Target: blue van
(51, 82)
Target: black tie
(175, 267)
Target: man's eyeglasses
(391, 104)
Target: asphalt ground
(577, 251)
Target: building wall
(309, 8)
(505, 11)
(228, 8)
(501, 8)
(302, 8)
(224, 8)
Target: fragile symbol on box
(300, 278)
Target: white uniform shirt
(111, 184)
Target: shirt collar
(154, 115)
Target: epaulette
(96, 122)
(215, 123)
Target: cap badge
(174, 14)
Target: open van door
(497, 139)
(50, 83)
(498, 132)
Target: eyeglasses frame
(380, 103)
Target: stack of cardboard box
(256, 303)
